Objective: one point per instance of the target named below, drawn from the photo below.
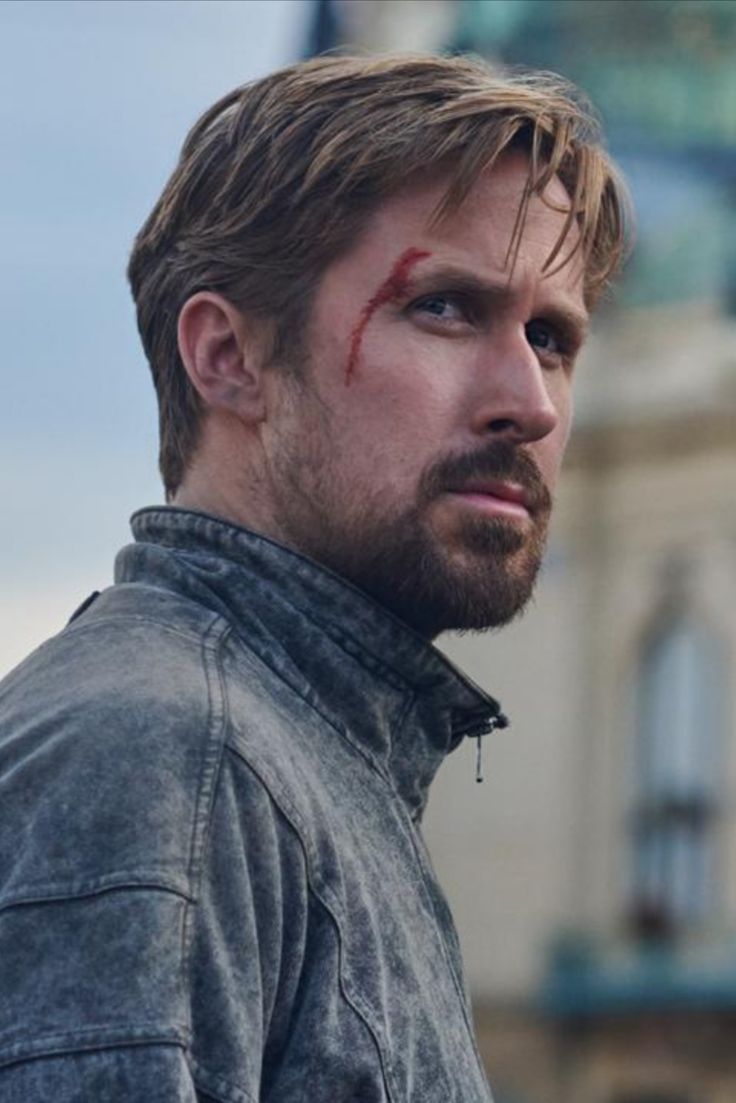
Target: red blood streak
(391, 289)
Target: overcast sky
(95, 100)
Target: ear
(222, 354)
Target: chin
(487, 596)
(480, 576)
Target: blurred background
(593, 874)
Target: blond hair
(278, 178)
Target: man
(362, 294)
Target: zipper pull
(500, 720)
(479, 760)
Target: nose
(516, 403)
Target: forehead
(475, 238)
(487, 216)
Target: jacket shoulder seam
(108, 619)
(217, 720)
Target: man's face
(419, 455)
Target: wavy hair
(278, 178)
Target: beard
(485, 577)
(480, 576)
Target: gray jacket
(212, 879)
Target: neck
(240, 499)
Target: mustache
(497, 460)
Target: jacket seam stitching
(61, 1043)
(217, 717)
(344, 733)
(426, 875)
(401, 719)
(91, 890)
(370, 662)
(213, 1084)
(293, 819)
(217, 714)
(88, 625)
(353, 1000)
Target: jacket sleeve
(126, 1074)
(92, 1004)
(135, 992)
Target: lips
(498, 497)
(511, 492)
(502, 478)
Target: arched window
(678, 766)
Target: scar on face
(392, 288)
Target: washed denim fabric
(213, 883)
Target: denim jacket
(213, 884)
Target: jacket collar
(393, 694)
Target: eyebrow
(459, 279)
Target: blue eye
(445, 308)
(449, 309)
(542, 336)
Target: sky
(96, 97)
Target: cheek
(386, 442)
(558, 445)
(549, 452)
(402, 383)
(417, 385)
(560, 390)
(568, 414)
(388, 445)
